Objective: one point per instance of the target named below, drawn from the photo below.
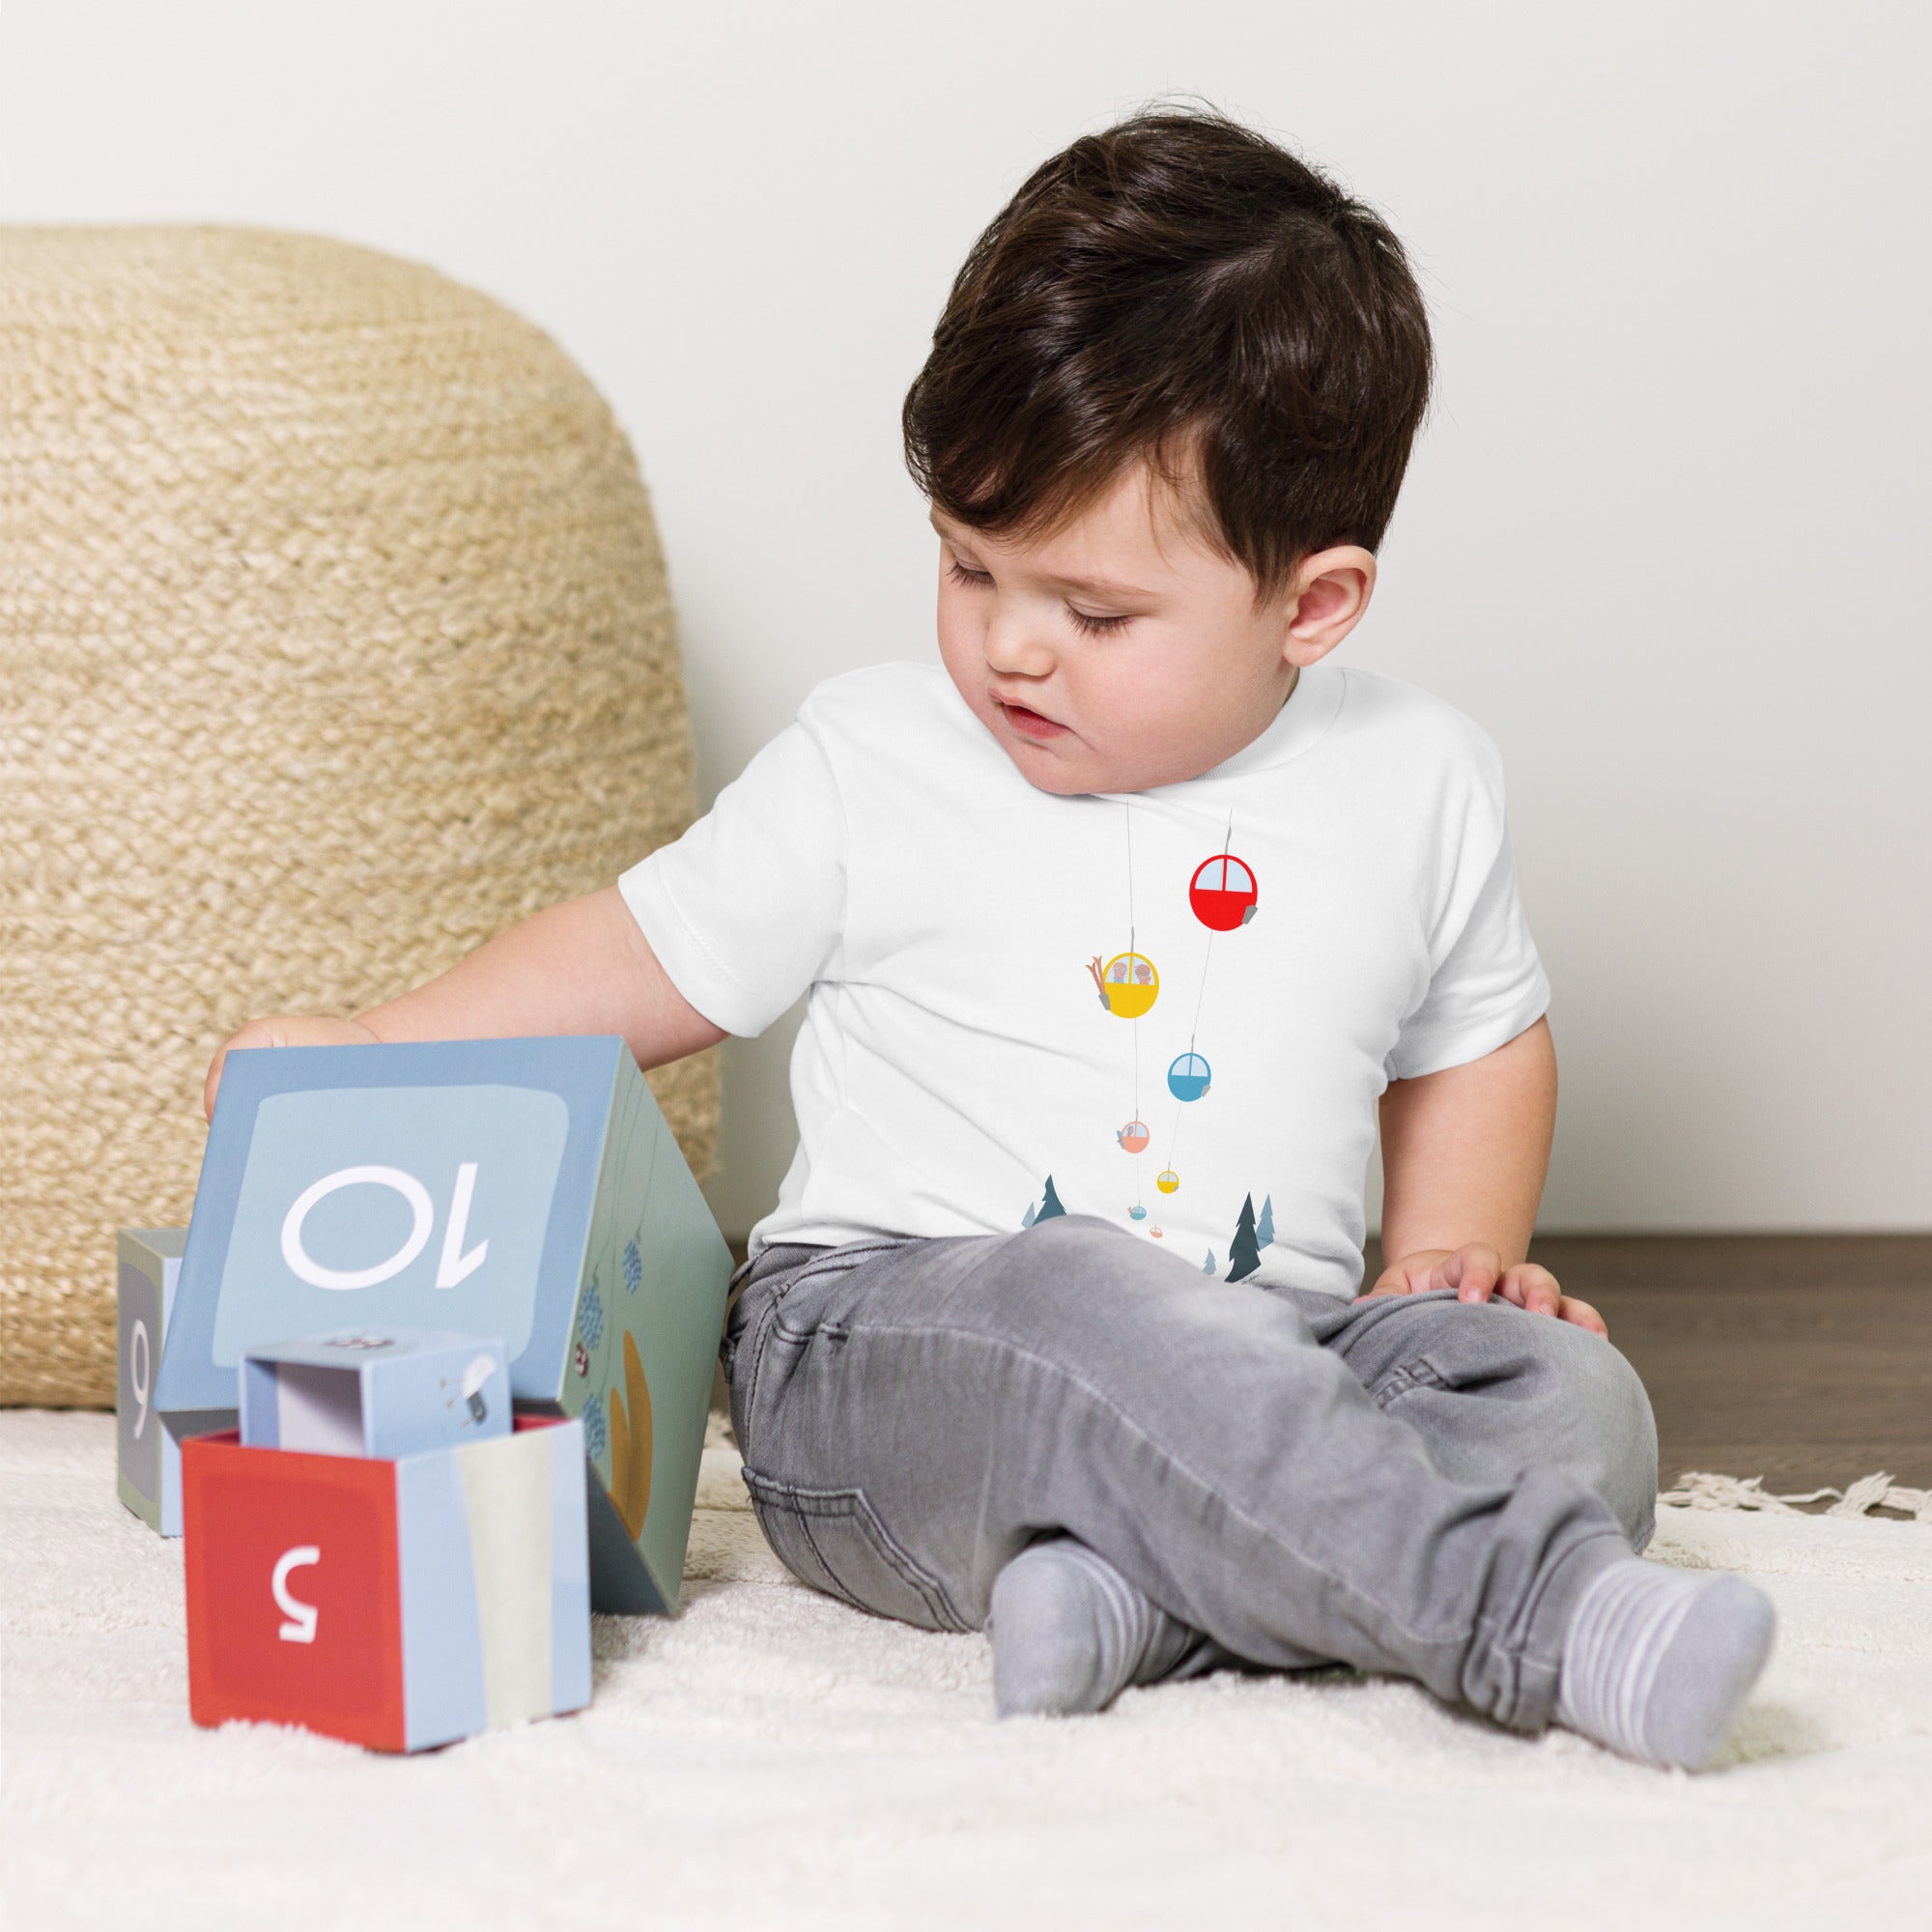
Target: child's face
(1122, 651)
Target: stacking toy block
(523, 1188)
(395, 1604)
(149, 1478)
(379, 1395)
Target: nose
(1015, 650)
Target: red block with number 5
(293, 1604)
(402, 1605)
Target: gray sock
(1657, 1662)
(1070, 1633)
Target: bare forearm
(580, 967)
(1464, 1152)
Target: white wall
(1664, 537)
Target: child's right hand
(285, 1030)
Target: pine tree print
(1032, 1215)
(1050, 1207)
(1265, 1234)
(1207, 1266)
(1244, 1255)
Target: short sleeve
(745, 911)
(1486, 984)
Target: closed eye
(976, 580)
(1096, 627)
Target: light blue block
(385, 1394)
(495, 1587)
(526, 1188)
(443, 1694)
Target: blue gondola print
(1189, 1078)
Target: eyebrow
(1091, 586)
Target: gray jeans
(1409, 1485)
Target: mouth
(1029, 723)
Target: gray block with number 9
(149, 1260)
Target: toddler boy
(1119, 931)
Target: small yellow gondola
(1129, 985)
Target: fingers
(282, 1029)
(257, 1033)
(1584, 1316)
(1533, 1289)
(1412, 1274)
(1473, 1272)
(1391, 1281)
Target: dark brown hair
(1178, 290)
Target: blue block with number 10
(523, 1188)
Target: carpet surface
(771, 1758)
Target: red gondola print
(1133, 1137)
(1223, 892)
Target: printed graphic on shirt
(1224, 895)
(1044, 1209)
(1223, 892)
(1129, 986)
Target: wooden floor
(1805, 1359)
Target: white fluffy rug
(772, 1759)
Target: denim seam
(770, 1325)
(1514, 1648)
(1401, 1380)
(780, 1504)
(853, 1505)
(769, 1322)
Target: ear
(1325, 600)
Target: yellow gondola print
(1166, 1180)
(1128, 984)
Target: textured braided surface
(334, 638)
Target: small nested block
(383, 1395)
(397, 1603)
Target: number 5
(300, 1626)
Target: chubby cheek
(961, 650)
(1140, 720)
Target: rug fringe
(1699, 1488)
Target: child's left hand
(1476, 1272)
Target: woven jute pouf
(334, 638)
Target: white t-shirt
(962, 1070)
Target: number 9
(139, 1362)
